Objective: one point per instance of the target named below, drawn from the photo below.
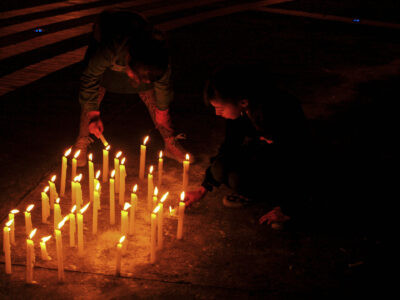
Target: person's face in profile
(228, 110)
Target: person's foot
(82, 144)
(175, 151)
(235, 201)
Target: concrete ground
(345, 75)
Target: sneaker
(82, 144)
(235, 201)
(175, 151)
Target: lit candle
(74, 161)
(122, 177)
(116, 168)
(153, 237)
(103, 140)
(64, 171)
(172, 211)
(155, 197)
(79, 219)
(160, 169)
(181, 214)
(97, 182)
(45, 205)
(124, 219)
(73, 192)
(72, 227)
(142, 158)
(78, 192)
(96, 208)
(59, 248)
(112, 198)
(150, 188)
(43, 249)
(105, 162)
(160, 220)
(7, 246)
(91, 176)
(57, 213)
(53, 191)
(12, 227)
(132, 216)
(119, 254)
(185, 180)
(30, 257)
(28, 220)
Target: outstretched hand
(194, 196)
(95, 124)
(274, 216)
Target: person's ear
(244, 103)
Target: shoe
(235, 201)
(175, 151)
(82, 144)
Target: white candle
(78, 192)
(124, 219)
(112, 198)
(132, 215)
(181, 215)
(150, 188)
(91, 176)
(53, 191)
(142, 158)
(185, 179)
(153, 237)
(122, 176)
(7, 246)
(72, 227)
(95, 208)
(45, 205)
(30, 257)
(59, 248)
(28, 219)
(116, 168)
(103, 140)
(79, 220)
(119, 254)
(64, 167)
(105, 163)
(160, 169)
(97, 182)
(74, 164)
(160, 221)
(57, 213)
(43, 249)
(12, 227)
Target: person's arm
(164, 91)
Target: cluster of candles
(117, 183)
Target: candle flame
(127, 205)
(123, 161)
(122, 239)
(156, 209)
(135, 187)
(53, 178)
(90, 156)
(46, 189)
(170, 209)
(78, 178)
(145, 140)
(151, 169)
(108, 147)
(98, 186)
(46, 238)
(58, 200)
(30, 207)
(32, 234)
(155, 191)
(9, 223)
(73, 209)
(68, 152)
(83, 209)
(14, 211)
(160, 155)
(164, 197)
(118, 154)
(98, 174)
(187, 156)
(182, 196)
(61, 224)
(77, 153)
(112, 173)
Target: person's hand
(95, 124)
(274, 216)
(193, 196)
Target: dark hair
(149, 55)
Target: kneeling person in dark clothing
(264, 154)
